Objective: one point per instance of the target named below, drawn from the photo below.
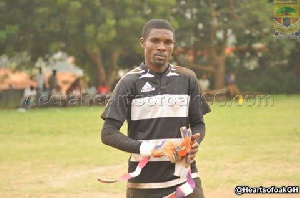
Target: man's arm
(112, 136)
(198, 126)
(198, 108)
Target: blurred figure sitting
(89, 94)
(103, 89)
(57, 98)
(28, 98)
(43, 97)
(91, 90)
(74, 92)
(204, 83)
(75, 88)
(231, 86)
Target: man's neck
(157, 69)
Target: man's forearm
(199, 127)
(111, 136)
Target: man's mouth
(160, 56)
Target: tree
(91, 30)
(98, 32)
(210, 27)
(95, 32)
(211, 23)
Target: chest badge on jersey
(147, 88)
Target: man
(52, 82)
(231, 86)
(204, 83)
(156, 99)
(39, 80)
(28, 97)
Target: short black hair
(156, 24)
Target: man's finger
(194, 137)
(194, 149)
(191, 159)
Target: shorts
(160, 193)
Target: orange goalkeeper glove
(173, 150)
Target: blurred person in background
(231, 85)
(103, 89)
(28, 98)
(89, 94)
(91, 90)
(52, 82)
(40, 83)
(204, 83)
(39, 80)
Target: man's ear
(142, 42)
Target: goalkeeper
(157, 99)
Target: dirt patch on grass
(52, 181)
(72, 174)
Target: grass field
(57, 152)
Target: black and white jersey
(155, 107)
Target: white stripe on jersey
(160, 106)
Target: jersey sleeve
(111, 135)
(118, 105)
(198, 105)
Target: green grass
(57, 151)
(252, 145)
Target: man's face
(158, 47)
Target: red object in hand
(176, 151)
(185, 147)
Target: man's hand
(167, 148)
(194, 148)
(176, 152)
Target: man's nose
(161, 46)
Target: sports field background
(57, 152)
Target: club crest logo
(287, 19)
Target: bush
(269, 80)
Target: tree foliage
(208, 28)
(103, 34)
(96, 32)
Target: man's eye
(168, 42)
(155, 41)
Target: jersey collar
(144, 67)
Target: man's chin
(159, 64)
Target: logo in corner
(287, 19)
